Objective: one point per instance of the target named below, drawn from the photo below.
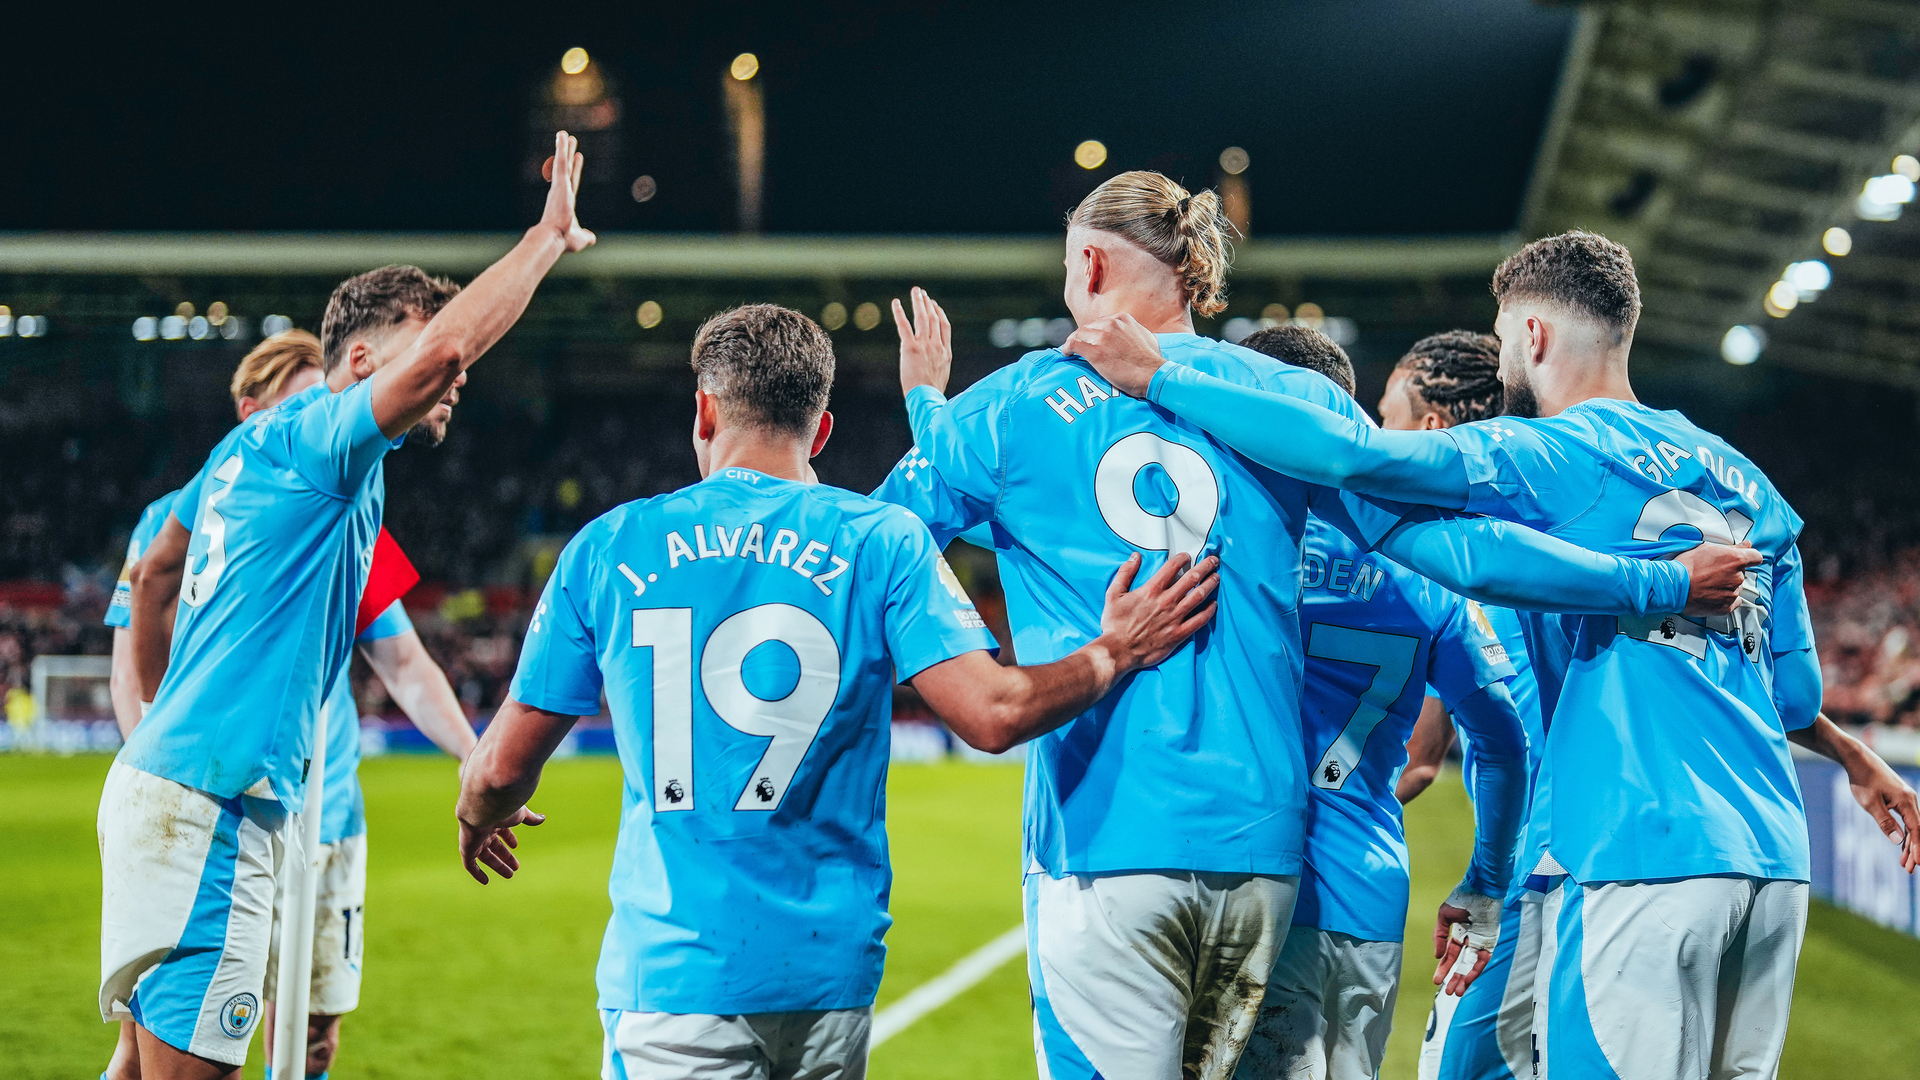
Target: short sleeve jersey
(120, 606)
(1665, 754)
(343, 811)
(747, 632)
(1377, 635)
(1075, 477)
(284, 516)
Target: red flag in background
(389, 579)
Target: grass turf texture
(465, 981)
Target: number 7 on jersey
(1391, 656)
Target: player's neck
(1159, 310)
(781, 458)
(1607, 380)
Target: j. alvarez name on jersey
(809, 558)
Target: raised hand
(1125, 353)
(1150, 622)
(926, 344)
(1716, 574)
(563, 171)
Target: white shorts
(1328, 1010)
(339, 935)
(828, 1045)
(1684, 979)
(186, 910)
(1150, 975)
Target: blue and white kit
(120, 606)
(1666, 756)
(1072, 478)
(284, 516)
(747, 632)
(1377, 636)
(340, 894)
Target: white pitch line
(948, 985)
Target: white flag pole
(301, 865)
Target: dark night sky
(1369, 116)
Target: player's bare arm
(156, 593)
(1877, 788)
(926, 343)
(405, 391)
(1426, 750)
(498, 779)
(995, 708)
(420, 688)
(123, 683)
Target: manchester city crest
(238, 1014)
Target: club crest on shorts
(238, 1014)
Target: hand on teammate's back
(1149, 622)
(1124, 352)
(926, 344)
(1715, 575)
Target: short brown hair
(1187, 232)
(379, 300)
(267, 368)
(770, 366)
(1304, 347)
(1579, 270)
(1455, 373)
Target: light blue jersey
(1666, 755)
(1193, 764)
(1666, 751)
(120, 607)
(1508, 628)
(285, 513)
(747, 632)
(343, 812)
(1377, 635)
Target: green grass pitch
(474, 982)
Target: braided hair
(1456, 374)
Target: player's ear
(1538, 333)
(246, 406)
(1432, 421)
(1096, 269)
(820, 435)
(360, 360)
(706, 416)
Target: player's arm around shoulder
(995, 708)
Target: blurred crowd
(1868, 628)
(483, 517)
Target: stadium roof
(1720, 141)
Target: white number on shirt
(197, 586)
(1672, 509)
(791, 722)
(669, 632)
(1391, 656)
(1197, 494)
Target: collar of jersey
(721, 474)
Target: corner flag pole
(300, 866)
